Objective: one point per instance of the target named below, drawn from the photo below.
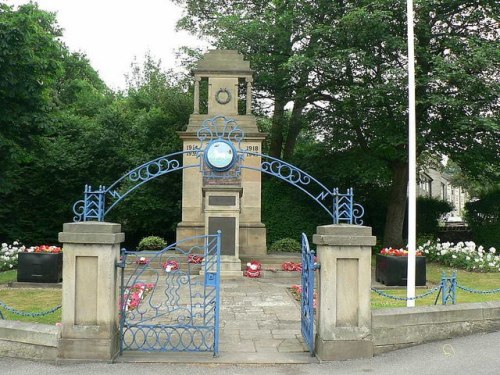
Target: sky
(112, 33)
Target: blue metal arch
(93, 205)
(340, 206)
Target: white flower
(492, 250)
(467, 257)
(454, 256)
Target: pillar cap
(92, 227)
(344, 235)
(91, 232)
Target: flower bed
(8, 255)
(464, 255)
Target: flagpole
(412, 161)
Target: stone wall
(29, 340)
(392, 329)
(398, 328)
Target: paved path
(259, 323)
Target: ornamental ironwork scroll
(339, 206)
(97, 203)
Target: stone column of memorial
(210, 201)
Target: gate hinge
(120, 263)
(316, 266)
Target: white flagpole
(412, 161)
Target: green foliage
(483, 217)
(152, 243)
(287, 245)
(429, 210)
(343, 66)
(62, 128)
(302, 213)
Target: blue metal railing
(447, 288)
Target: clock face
(220, 155)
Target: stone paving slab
(259, 323)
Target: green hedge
(429, 210)
(482, 216)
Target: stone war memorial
(191, 297)
(224, 194)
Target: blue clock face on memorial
(220, 155)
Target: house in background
(435, 184)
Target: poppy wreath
(195, 259)
(170, 265)
(253, 269)
(291, 266)
(142, 261)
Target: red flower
(397, 252)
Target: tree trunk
(396, 210)
(294, 128)
(276, 142)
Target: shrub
(152, 243)
(483, 217)
(429, 210)
(288, 245)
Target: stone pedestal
(222, 212)
(344, 310)
(90, 291)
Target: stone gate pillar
(90, 291)
(344, 308)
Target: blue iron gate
(307, 302)
(170, 298)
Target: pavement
(475, 355)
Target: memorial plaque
(228, 227)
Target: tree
(346, 61)
(362, 78)
(271, 35)
(30, 66)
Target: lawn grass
(473, 280)
(31, 300)
(8, 276)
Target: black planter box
(392, 270)
(39, 267)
